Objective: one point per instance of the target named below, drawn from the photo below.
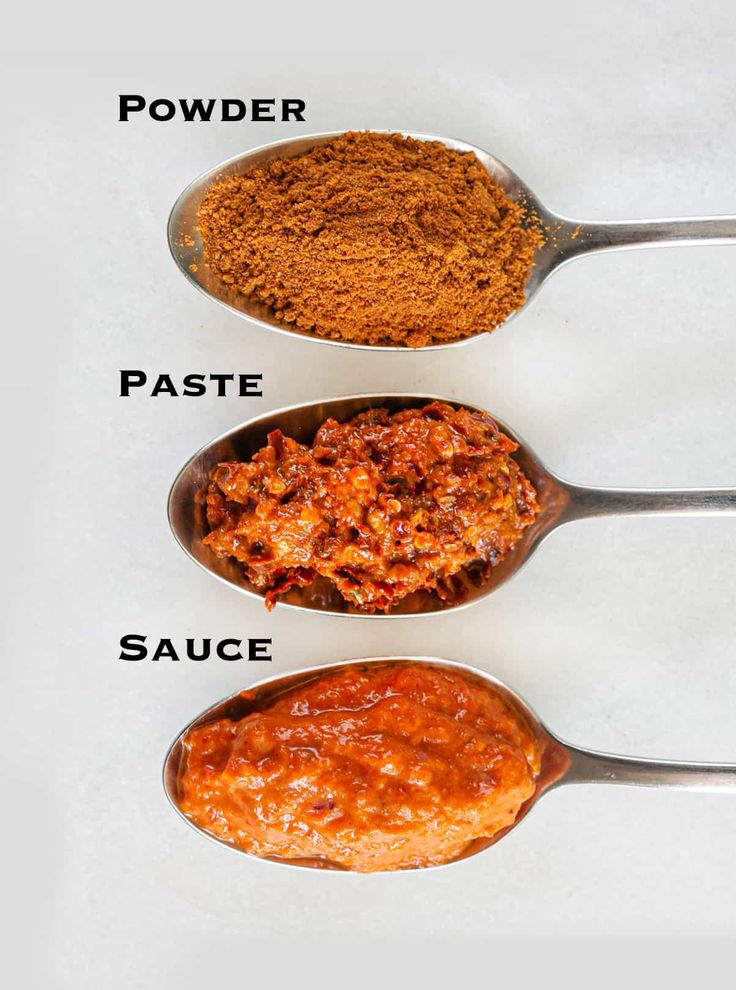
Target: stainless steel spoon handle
(613, 235)
(587, 502)
(589, 767)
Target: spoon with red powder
(388, 241)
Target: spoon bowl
(564, 239)
(559, 501)
(562, 763)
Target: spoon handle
(589, 767)
(616, 235)
(587, 502)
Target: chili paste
(383, 506)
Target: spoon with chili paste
(434, 761)
(562, 239)
(559, 502)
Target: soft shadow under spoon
(560, 501)
(562, 762)
(565, 239)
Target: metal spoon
(564, 239)
(562, 763)
(560, 502)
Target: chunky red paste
(383, 506)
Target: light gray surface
(620, 632)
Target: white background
(620, 632)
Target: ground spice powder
(374, 239)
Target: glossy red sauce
(372, 767)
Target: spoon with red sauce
(564, 239)
(561, 762)
(560, 502)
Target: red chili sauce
(370, 767)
